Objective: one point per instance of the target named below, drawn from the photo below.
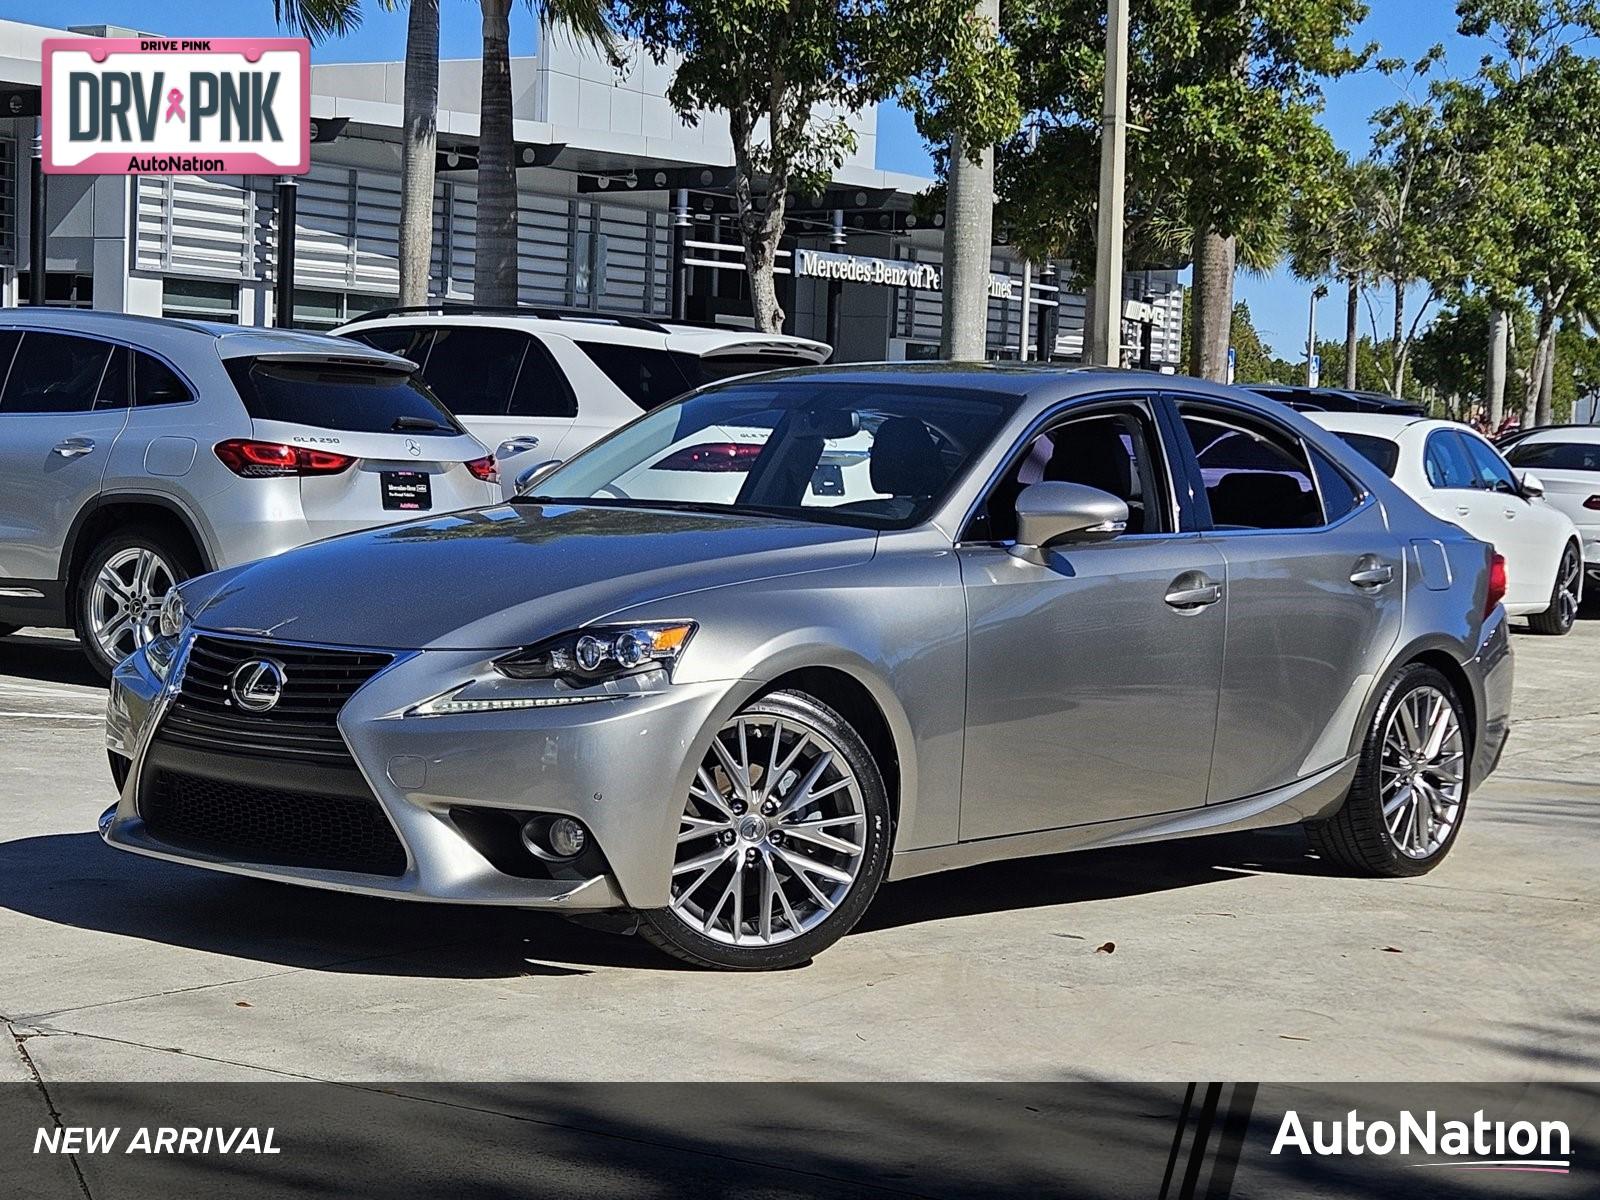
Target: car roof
(176, 335)
(1384, 425)
(1587, 435)
(582, 325)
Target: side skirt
(1308, 799)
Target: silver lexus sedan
(790, 636)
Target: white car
(1568, 461)
(1458, 475)
(541, 384)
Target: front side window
(1446, 463)
(877, 456)
(338, 396)
(1106, 450)
(55, 373)
(1256, 476)
(1492, 472)
(1536, 456)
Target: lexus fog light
(554, 838)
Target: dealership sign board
(885, 272)
(169, 106)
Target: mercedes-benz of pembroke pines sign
(170, 106)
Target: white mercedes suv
(541, 384)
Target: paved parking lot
(1233, 957)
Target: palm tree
(968, 238)
(317, 19)
(495, 268)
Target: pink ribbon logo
(175, 105)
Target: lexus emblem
(413, 449)
(257, 685)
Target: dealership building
(624, 208)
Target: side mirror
(526, 479)
(1531, 484)
(1052, 513)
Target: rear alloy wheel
(120, 592)
(1404, 809)
(783, 840)
(1565, 596)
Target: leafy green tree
(787, 73)
(1331, 237)
(1536, 156)
(1223, 98)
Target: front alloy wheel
(782, 841)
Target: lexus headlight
(173, 614)
(601, 652)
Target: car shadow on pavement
(46, 660)
(74, 880)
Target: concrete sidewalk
(1234, 957)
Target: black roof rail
(538, 311)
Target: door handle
(516, 445)
(1371, 574)
(1511, 514)
(1462, 510)
(75, 447)
(1193, 590)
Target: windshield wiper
(419, 424)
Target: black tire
(177, 554)
(1357, 837)
(672, 934)
(1558, 619)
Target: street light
(1319, 292)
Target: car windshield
(1379, 451)
(867, 454)
(1556, 456)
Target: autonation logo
(1476, 1145)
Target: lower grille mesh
(265, 825)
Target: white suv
(541, 384)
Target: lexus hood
(502, 577)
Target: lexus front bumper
(620, 765)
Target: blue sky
(1403, 28)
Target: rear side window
(1379, 451)
(338, 396)
(542, 389)
(156, 383)
(114, 383)
(1340, 497)
(1446, 463)
(1256, 476)
(408, 341)
(55, 373)
(472, 370)
(647, 377)
(1551, 456)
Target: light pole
(1317, 293)
(1105, 337)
